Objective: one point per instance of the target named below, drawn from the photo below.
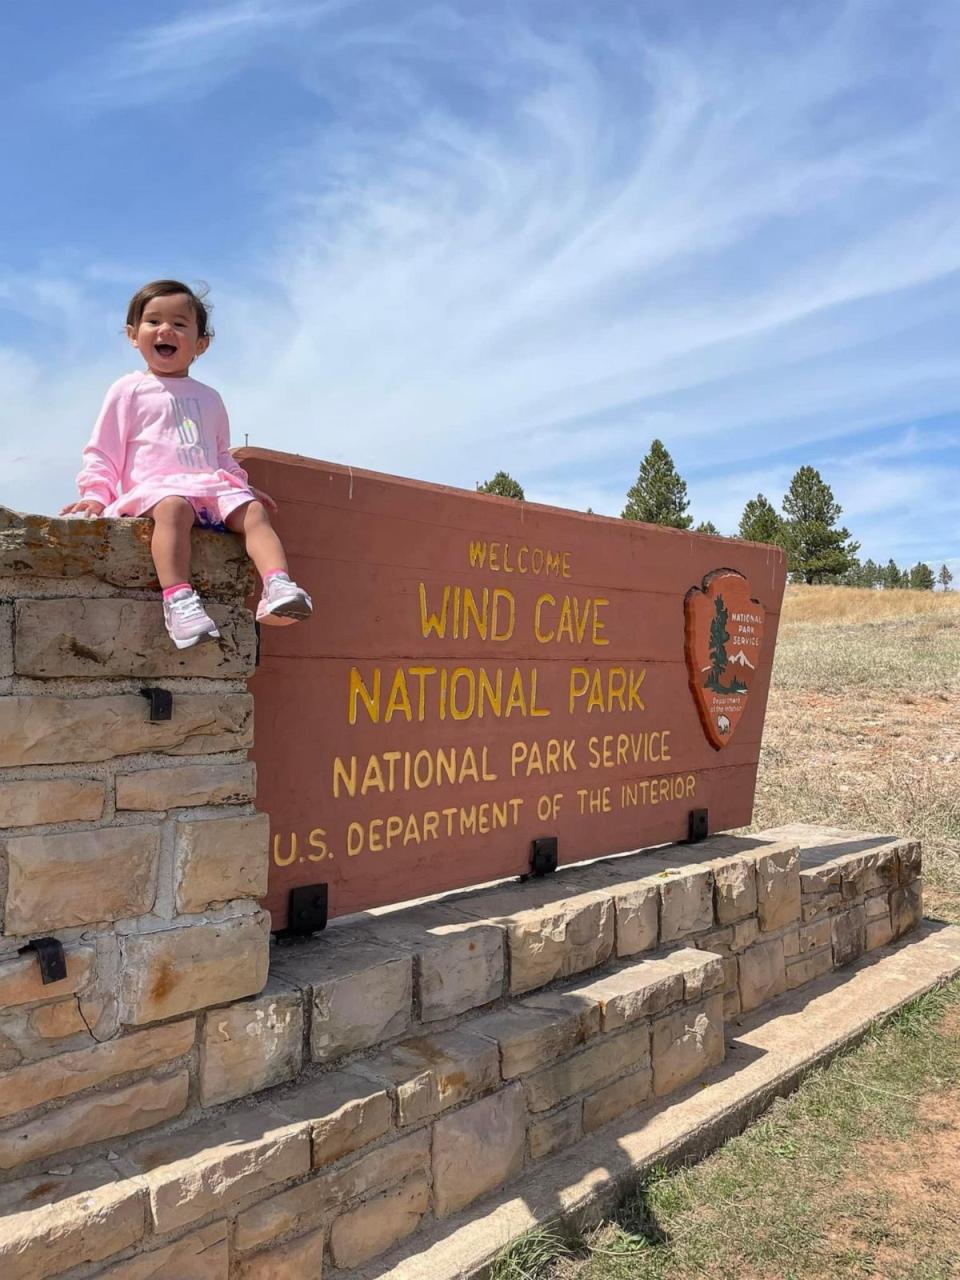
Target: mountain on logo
(741, 658)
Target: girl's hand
(265, 498)
(88, 507)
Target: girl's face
(167, 336)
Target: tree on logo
(718, 652)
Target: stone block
(731, 1003)
(47, 730)
(80, 877)
(175, 971)
(207, 1168)
(745, 933)
(635, 992)
(202, 1255)
(67, 1073)
(702, 972)
(182, 786)
(637, 917)
(685, 1043)
(686, 903)
(117, 552)
(778, 888)
(806, 967)
(849, 932)
(35, 801)
(6, 639)
(820, 878)
(879, 933)
(910, 859)
(55, 1222)
(816, 908)
(605, 1104)
(112, 637)
(429, 1074)
(529, 1034)
(221, 859)
(906, 908)
(57, 1021)
(300, 1259)
(309, 1205)
(815, 936)
(603, 1060)
(344, 1111)
(251, 1045)
(21, 983)
(477, 1149)
(877, 907)
(556, 1130)
(735, 889)
(762, 973)
(357, 996)
(791, 942)
(371, 1228)
(96, 1118)
(548, 937)
(459, 965)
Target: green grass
(768, 1203)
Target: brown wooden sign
(481, 673)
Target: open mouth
(165, 349)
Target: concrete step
(768, 1053)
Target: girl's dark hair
(163, 289)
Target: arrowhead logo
(723, 643)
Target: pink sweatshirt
(157, 437)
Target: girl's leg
(263, 546)
(170, 546)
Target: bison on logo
(724, 641)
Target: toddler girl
(160, 448)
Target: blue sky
(446, 238)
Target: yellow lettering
(431, 621)
(358, 690)
(348, 777)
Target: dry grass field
(856, 1176)
(863, 724)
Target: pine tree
(890, 575)
(707, 526)
(760, 522)
(503, 485)
(870, 574)
(817, 548)
(659, 495)
(921, 577)
(718, 643)
(945, 577)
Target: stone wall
(135, 843)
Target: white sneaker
(283, 602)
(186, 620)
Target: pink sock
(180, 586)
(272, 573)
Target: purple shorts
(211, 513)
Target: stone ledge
(769, 1054)
(116, 552)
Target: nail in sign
(724, 643)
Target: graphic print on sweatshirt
(193, 452)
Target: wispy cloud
(533, 239)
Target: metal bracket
(307, 909)
(698, 825)
(53, 963)
(544, 855)
(161, 703)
